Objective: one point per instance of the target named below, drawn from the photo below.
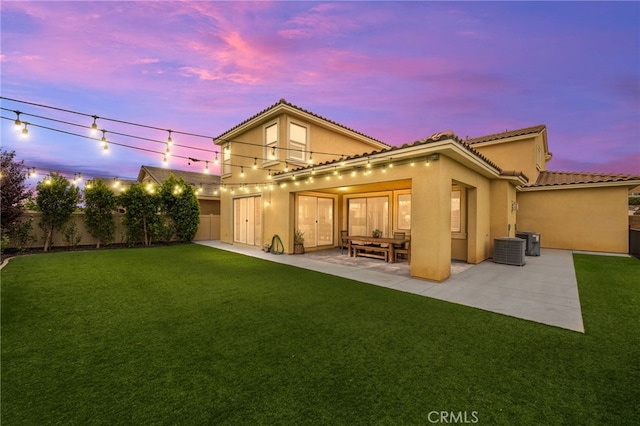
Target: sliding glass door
(369, 214)
(315, 219)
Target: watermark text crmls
(453, 417)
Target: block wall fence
(208, 229)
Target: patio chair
(344, 244)
(398, 236)
(404, 251)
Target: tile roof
(507, 134)
(448, 134)
(284, 102)
(572, 178)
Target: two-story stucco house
(287, 169)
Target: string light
(255, 163)
(216, 161)
(17, 123)
(273, 152)
(25, 131)
(95, 117)
(206, 167)
(242, 171)
(94, 125)
(225, 145)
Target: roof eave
(581, 185)
(281, 108)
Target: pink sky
(395, 71)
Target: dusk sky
(396, 71)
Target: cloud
(144, 61)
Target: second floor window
(271, 143)
(298, 141)
(226, 159)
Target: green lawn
(194, 335)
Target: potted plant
(377, 233)
(298, 242)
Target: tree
(57, 199)
(14, 190)
(180, 204)
(100, 203)
(141, 216)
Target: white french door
(247, 219)
(315, 219)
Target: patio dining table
(376, 241)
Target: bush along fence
(140, 215)
(29, 235)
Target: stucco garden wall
(209, 229)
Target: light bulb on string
(104, 138)
(273, 152)
(255, 163)
(94, 125)
(168, 151)
(25, 131)
(169, 139)
(216, 161)
(206, 167)
(17, 123)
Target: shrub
(13, 190)
(100, 203)
(180, 204)
(57, 199)
(22, 234)
(71, 235)
(141, 214)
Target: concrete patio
(544, 290)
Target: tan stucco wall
(517, 155)
(591, 219)
(503, 215)
(321, 140)
(208, 229)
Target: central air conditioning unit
(509, 251)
